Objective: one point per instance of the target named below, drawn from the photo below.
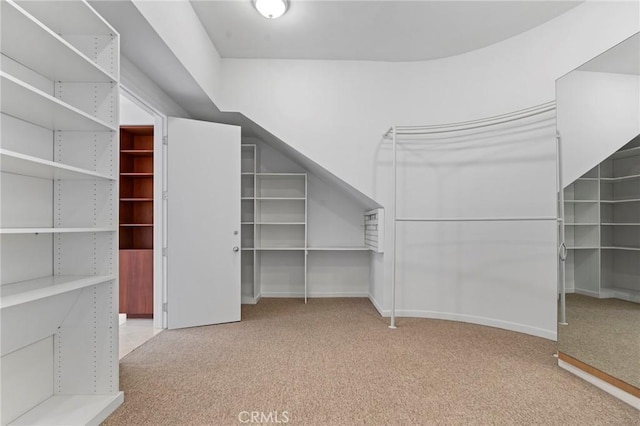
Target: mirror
(598, 119)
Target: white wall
(179, 27)
(335, 112)
(597, 114)
(132, 115)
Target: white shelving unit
(59, 216)
(276, 254)
(603, 228)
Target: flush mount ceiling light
(271, 8)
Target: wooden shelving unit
(59, 221)
(136, 221)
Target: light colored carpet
(335, 362)
(604, 333)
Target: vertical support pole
(562, 249)
(306, 252)
(392, 325)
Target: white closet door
(203, 223)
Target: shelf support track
(562, 247)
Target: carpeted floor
(335, 362)
(604, 333)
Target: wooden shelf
(132, 225)
(137, 175)
(53, 230)
(137, 152)
(21, 164)
(45, 51)
(27, 103)
(136, 200)
(71, 410)
(27, 291)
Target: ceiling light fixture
(271, 8)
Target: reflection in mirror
(598, 107)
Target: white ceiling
(370, 30)
(623, 58)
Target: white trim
(587, 292)
(472, 319)
(376, 305)
(160, 297)
(318, 294)
(599, 383)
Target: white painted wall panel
(30, 256)
(338, 274)
(598, 113)
(500, 274)
(27, 378)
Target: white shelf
(71, 410)
(581, 201)
(279, 248)
(631, 200)
(27, 291)
(583, 248)
(27, 103)
(620, 293)
(280, 223)
(279, 198)
(621, 248)
(621, 178)
(338, 249)
(584, 179)
(625, 153)
(54, 230)
(44, 51)
(69, 17)
(13, 162)
(621, 224)
(278, 175)
(581, 224)
(247, 173)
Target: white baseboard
(490, 322)
(376, 305)
(587, 293)
(248, 300)
(608, 388)
(122, 318)
(314, 294)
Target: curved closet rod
(472, 124)
(396, 131)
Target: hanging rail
(396, 131)
(473, 124)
